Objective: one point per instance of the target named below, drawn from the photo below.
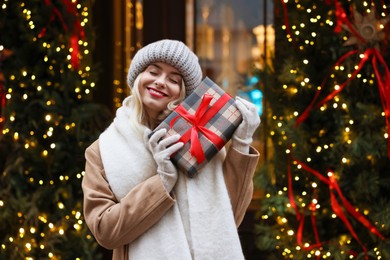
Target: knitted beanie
(172, 52)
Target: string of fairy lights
(306, 198)
(74, 219)
(30, 237)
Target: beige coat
(144, 205)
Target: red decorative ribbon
(285, 16)
(78, 32)
(372, 54)
(77, 28)
(337, 208)
(4, 54)
(383, 86)
(201, 117)
(301, 216)
(313, 208)
(55, 13)
(2, 105)
(341, 18)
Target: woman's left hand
(243, 136)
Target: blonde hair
(139, 119)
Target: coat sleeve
(238, 171)
(116, 223)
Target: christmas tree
(326, 182)
(47, 120)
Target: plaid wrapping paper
(206, 121)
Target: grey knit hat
(172, 52)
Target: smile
(155, 93)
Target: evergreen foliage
(346, 136)
(50, 119)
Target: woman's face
(159, 84)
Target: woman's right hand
(162, 149)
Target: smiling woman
(136, 199)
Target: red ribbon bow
(201, 117)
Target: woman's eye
(175, 80)
(153, 73)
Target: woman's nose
(160, 81)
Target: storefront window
(233, 37)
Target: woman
(136, 201)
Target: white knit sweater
(200, 225)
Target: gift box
(206, 121)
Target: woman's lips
(155, 93)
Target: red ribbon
(370, 53)
(306, 113)
(383, 86)
(313, 209)
(285, 16)
(338, 209)
(55, 13)
(77, 28)
(384, 90)
(2, 105)
(78, 32)
(301, 216)
(341, 18)
(201, 117)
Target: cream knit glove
(243, 136)
(162, 149)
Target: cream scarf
(200, 225)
